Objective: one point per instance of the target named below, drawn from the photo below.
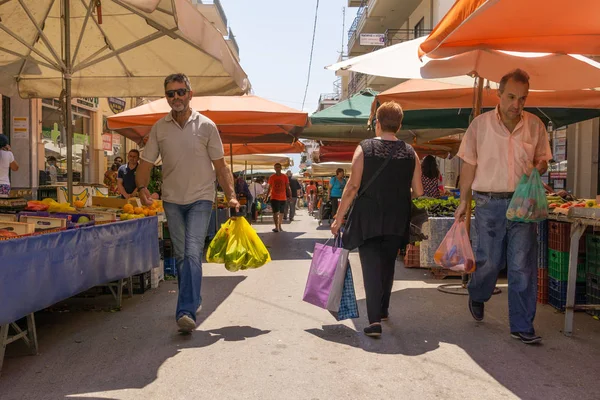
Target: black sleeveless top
(384, 209)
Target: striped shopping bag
(348, 305)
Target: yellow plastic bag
(218, 246)
(244, 248)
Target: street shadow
(423, 320)
(89, 352)
(287, 246)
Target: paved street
(258, 340)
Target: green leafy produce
(439, 207)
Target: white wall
(440, 8)
(423, 10)
(21, 146)
(582, 156)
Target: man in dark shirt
(290, 206)
(126, 176)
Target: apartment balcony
(213, 11)
(327, 100)
(358, 82)
(354, 3)
(232, 43)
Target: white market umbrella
(122, 48)
(261, 160)
(547, 71)
(329, 168)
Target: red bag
(455, 251)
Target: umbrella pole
(67, 81)
(231, 155)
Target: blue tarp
(38, 271)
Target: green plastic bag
(529, 202)
(218, 246)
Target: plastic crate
(592, 291)
(542, 286)
(166, 234)
(557, 294)
(592, 259)
(141, 283)
(559, 237)
(170, 266)
(558, 266)
(412, 259)
(542, 244)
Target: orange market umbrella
(240, 119)
(343, 151)
(548, 26)
(264, 148)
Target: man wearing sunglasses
(192, 155)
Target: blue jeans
(505, 243)
(188, 225)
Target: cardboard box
(20, 228)
(44, 223)
(103, 216)
(8, 217)
(114, 202)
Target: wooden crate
(113, 202)
(8, 217)
(45, 223)
(441, 273)
(20, 228)
(412, 257)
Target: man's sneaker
(186, 324)
(476, 309)
(199, 309)
(527, 338)
(373, 330)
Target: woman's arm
(417, 183)
(14, 166)
(351, 189)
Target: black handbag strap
(379, 171)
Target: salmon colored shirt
(502, 157)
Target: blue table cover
(38, 271)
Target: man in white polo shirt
(192, 155)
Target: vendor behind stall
(7, 163)
(126, 177)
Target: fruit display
(56, 207)
(131, 212)
(439, 207)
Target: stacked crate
(542, 262)
(559, 243)
(593, 272)
(412, 259)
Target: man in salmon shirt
(498, 148)
(279, 187)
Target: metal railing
(217, 4)
(361, 14)
(395, 36)
(357, 83)
(231, 36)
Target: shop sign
(52, 134)
(107, 142)
(372, 39)
(20, 127)
(558, 175)
(116, 139)
(80, 139)
(116, 104)
(88, 102)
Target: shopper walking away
(311, 197)
(126, 176)
(7, 164)
(431, 178)
(386, 173)
(336, 188)
(242, 191)
(192, 154)
(498, 148)
(256, 190)
(279, 188)
(296, 191)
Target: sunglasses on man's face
(180, 92)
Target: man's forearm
(467, 176)
(226, 181)
(142, 175)
(542, 167)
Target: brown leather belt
(496, 195)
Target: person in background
(431, 177)
(242, 191)
(279, 188)
(126, 176)
(379, 222)
(111, 180)
(311, 197)
(193, 158)
(7, 164)
(119, 161)
(336, 188)
(52, 170)
(296, 191)
(256, 190)
(497, 149)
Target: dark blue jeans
(505, 243)
(188, 225)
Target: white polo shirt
(187, 154)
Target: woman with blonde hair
(386, 175)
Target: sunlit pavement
(258, 340)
